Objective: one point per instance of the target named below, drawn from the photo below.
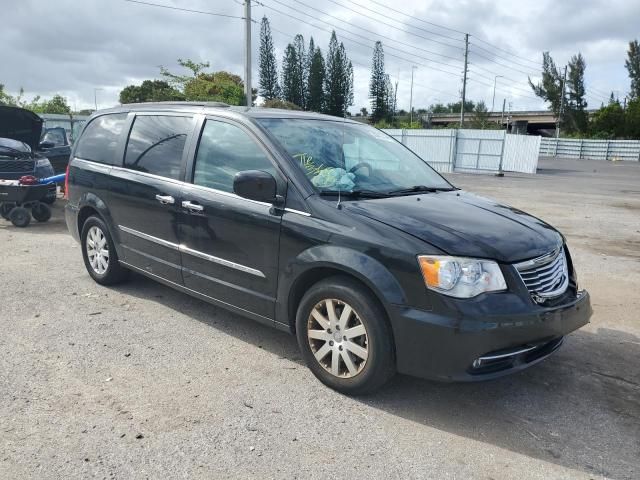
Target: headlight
(42, 162)
(461, 277)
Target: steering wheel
(360, 165)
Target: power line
(506, 51)
(472, 79)
(150, 4)
(530, 69)
(398, 28)
(506, 59)
(368, 31)
(367, 46)
(415, 18)
(502, 64)
(500, 76)
(361, 65)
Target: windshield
(55, 136)
(347, 157)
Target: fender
(352, 262)
(90, 199)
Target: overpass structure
(535, 122)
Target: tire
(20, 217)
(5, 210)
(101, 263)
(41, 212)
(365, 355)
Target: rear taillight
(66, 183)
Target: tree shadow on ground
(579, 409)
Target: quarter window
(225, 150)
(156, 144)
(99, 139)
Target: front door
(145, 194)
(230, 244)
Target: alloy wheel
(338, 338)
(97, 250)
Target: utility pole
(494, 91)
(395, 101)
(413, 67)
(464, 78)
(95, 97)
(504, 104)
(247, 52)
(564, 83)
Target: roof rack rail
(186, 104)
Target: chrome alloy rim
(97, 250)
(338, 338)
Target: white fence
(472, 150)
(73, 125)
(591, 149)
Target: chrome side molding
(192, 252)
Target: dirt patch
(621, 248)
(627, 205)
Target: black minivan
(325, 228)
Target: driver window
(225, 150)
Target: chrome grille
(546, 276)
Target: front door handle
(193, 207)
(166, 199)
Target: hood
(20, 124)
(464, 224)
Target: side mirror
(256, 185)
(45, 145)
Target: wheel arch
(91, 204)
(323, 262)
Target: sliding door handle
(192, 207)
(166, 199)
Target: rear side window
(99, 140)
(225, 150)
(156, 144)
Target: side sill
(214, 301)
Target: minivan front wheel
(344, 336)
(99, 253)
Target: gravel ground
(140, 381)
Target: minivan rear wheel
(344, 336)
(99, 253)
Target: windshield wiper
(419, 189)
(355, 193)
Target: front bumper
(472, 346)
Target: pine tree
(301, 70)
(576, 102)
(378, 88)
(290, 80)
(390, 97)
(338, 79)
(633, 66)
(269, 85)
(315, 90)
(307, 70)
(348, 87)
(550, 89)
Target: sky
(88, 50)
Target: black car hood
(20, 124)
(464, 224)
